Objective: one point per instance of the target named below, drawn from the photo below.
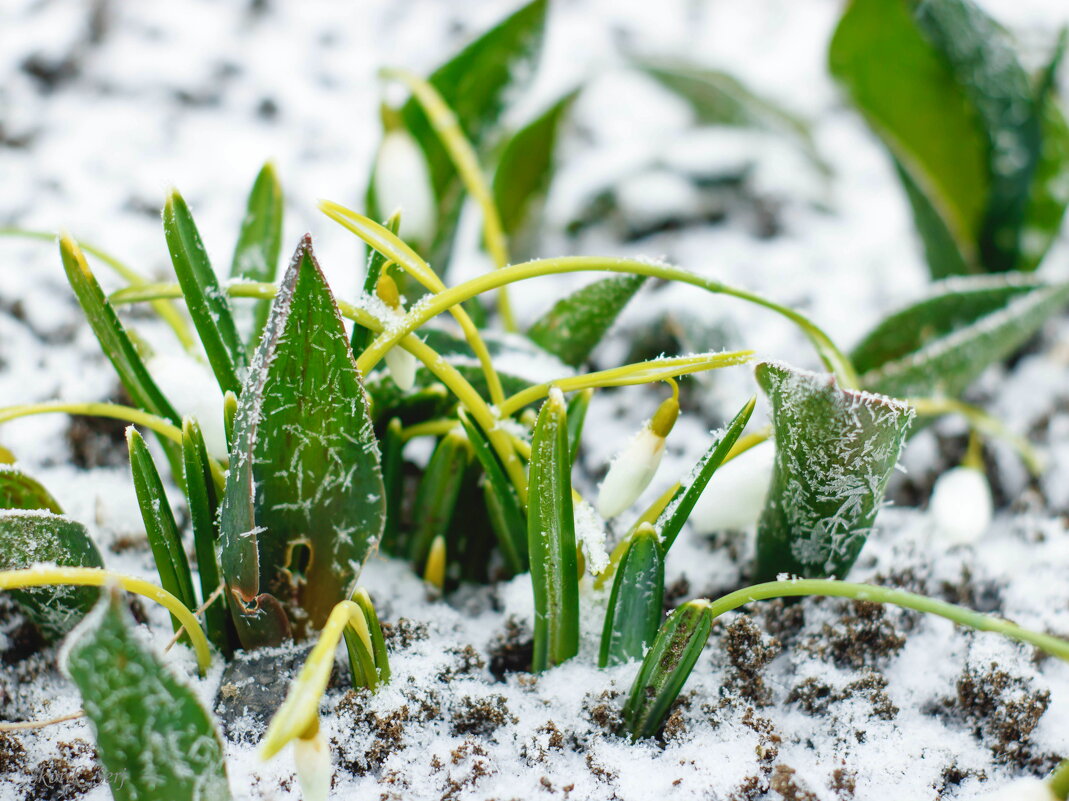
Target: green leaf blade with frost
(208, 304)
(21, 491)
(437, 494)
(30, 537)
(835, 450)
(259, 244)
(551, 539)
(153, 738)
(941, 344)
(633, 614)
(576, 324)
(304, 504)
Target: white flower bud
(191, 388)
(735, 496)
(402, 181)
(961, 505)
(630, 473)
(311, 755)
(402, 367)
(1023, 790)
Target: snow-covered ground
(105, 104)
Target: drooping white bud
(1022, 790)
(402, 366)
(630, 473)
(192, 389)
(961, 505)
(403, 181)
(311, 755)
(735, 496)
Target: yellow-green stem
(96, 577)
(430, 428)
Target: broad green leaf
(436, 497)
(475, 84)
(154, 739)
(835, 450)
(940, 250)
(525, 168)
(670, 521)
(304, 504)
(31, 537)
(634, 610)
(163, 536)
(208, 304)
(721, 99)
(113, 338)
(575, 325)
(551, 539)
(260, 241)
(940, 345)
(667, 666)
(20, 491)
(362, 337)
(912, 99)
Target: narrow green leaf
(634, 610)
(667, 666)
(671, 519)
(362, 669)
(551, 539)
(304, 504)
(940, 249)
(362, 337)
(20, 491)
(153, 738)
(835, 450)
(203, 506)
(113, 338)
(208, 304)
(260, 241)
(577, 409)
(163, 536)
(31, 537)
(940, 345)
(575, 325)
(378, 642)
(393, 481)
(436, 497)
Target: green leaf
(912, 99)
(111, 334)
(393, 481)
(940, 250)
(940, 345)
(671, 519)
(362, 337)
(304, 504)
(260, 241)
(378, 642)
(722, 99)
(835, 450)
(31, 537)
(163, 536)
(436, 497)
(208, 304)
(551, 539)
(475, 84)
(634, 610)
(575, 325)
(154, 739)
(525, 168)
(577, 409)
(20, 491)
(666, 668)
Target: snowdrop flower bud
(736, 494)
(314, 770)
(400, 363)
(635, 466)
(192, 389)
(402, 180)
(961, 505)
(1023, 790)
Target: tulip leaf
(304, 504)
(154, 739)
(260, 241)
(20, 491)
(940, 345)
(30, 537)
(835, 450)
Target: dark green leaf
(31, 537)
(208, 304)
(575, 325)
(835, 450)
(260, 241)
(634, 610)
(940, 250)
(304, 504)
(666, 668)
(393, 481)
(577, 409)
(20, 491)
(436, 498)
(153, 738)
(939, 345)
(551, 539)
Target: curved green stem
(464, 158)
(167, 311)
(96, 577)
(429, 428)
(885, 595)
